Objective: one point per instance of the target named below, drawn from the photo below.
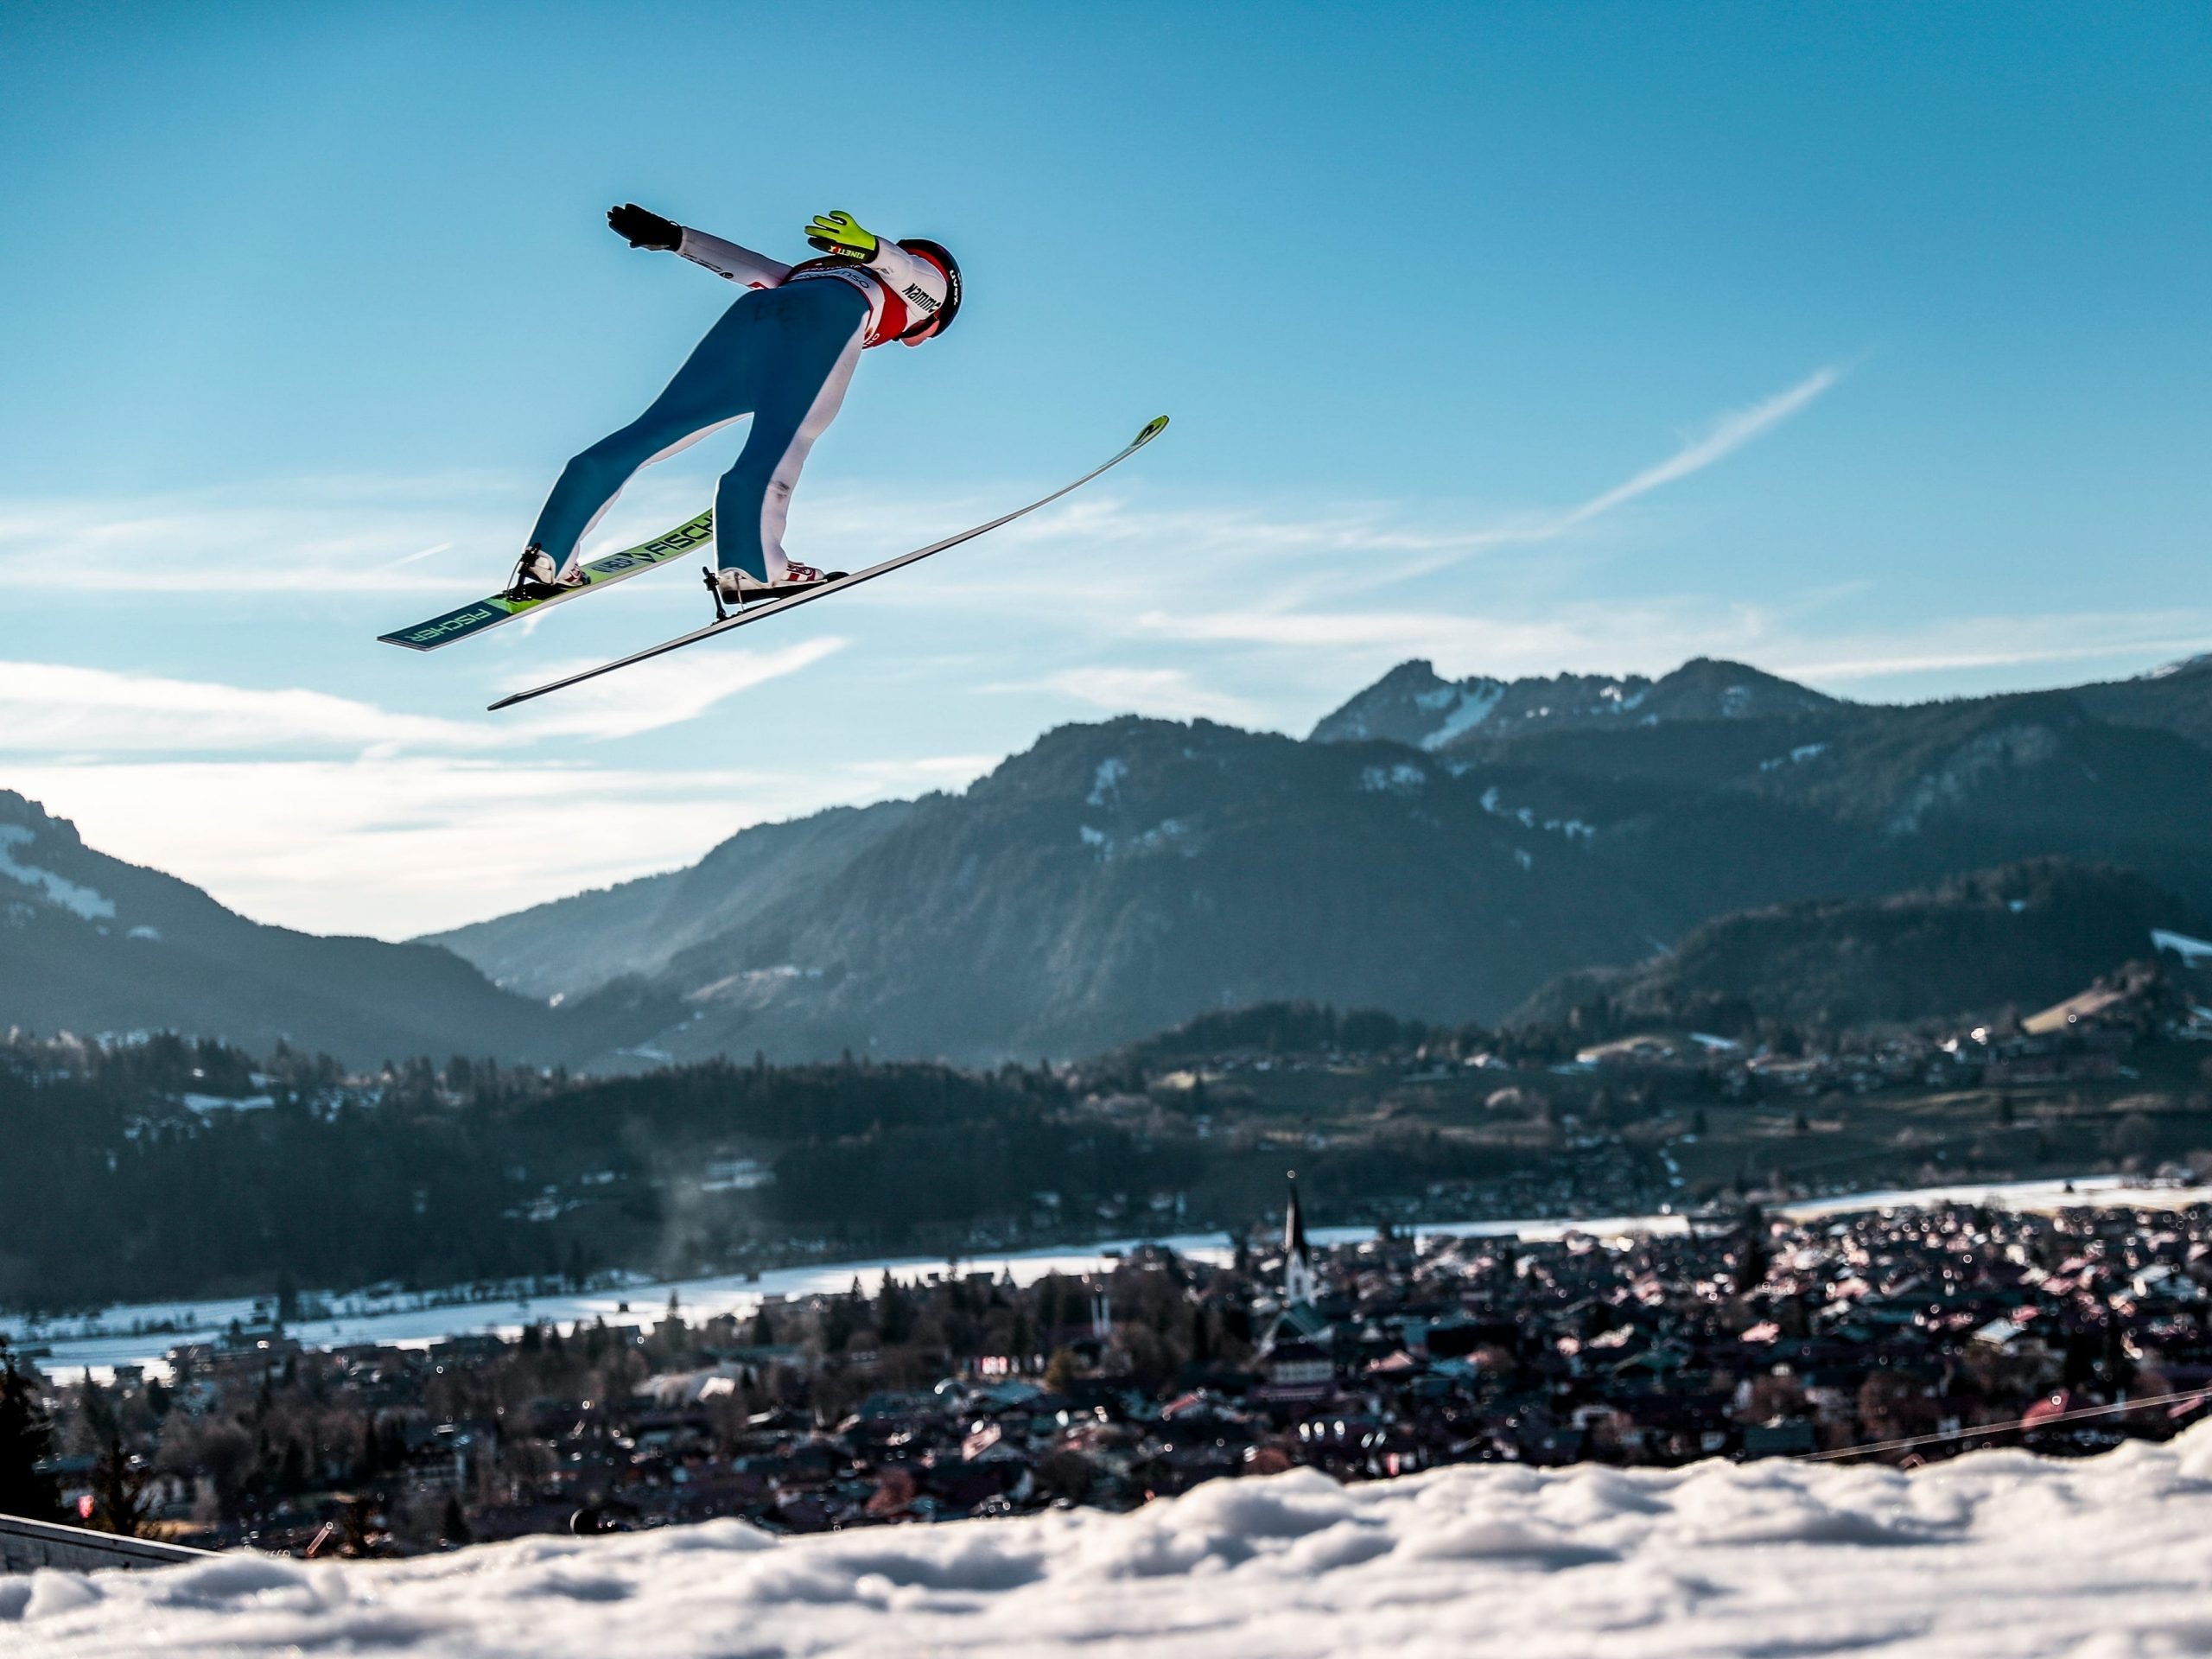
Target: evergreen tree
(292, 1473)
(895, 1319)
(25, 1441)
(98, 1410)
(118, 1492)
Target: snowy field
(2000, 1553)
(117, 1336)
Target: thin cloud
(1163, 693)
(665, 691)
(2117, 639)
(1726, 436)
(366, 537)
(52, 708)
(878, 779)
(312, 535)
(400, 845)
(59, 709)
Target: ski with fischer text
(486, 614)
(761, 610)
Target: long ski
(762, 612)
(487, 613)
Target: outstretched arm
(727, 259)
(642, 229)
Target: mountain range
(1441, 849)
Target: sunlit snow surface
(2000, 1553)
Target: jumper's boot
(736, 586)
(538, 577)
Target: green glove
(837, 232)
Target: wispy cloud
(1163, 693)
(665, 691)
(402, 845)
(399, 845)
(913, 775)
(1992, 642)
(1272, 577)
(1805, 638)
(395, 537)
(57, 709)
(454, 536)
(1722, 439)
(51, 708)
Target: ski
(487, 613)
(761, 612)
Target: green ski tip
(1153, 428)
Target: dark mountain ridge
(1117, 878)
(1413, 705)
(1120, 877)
(2025, 935)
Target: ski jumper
(782, 354)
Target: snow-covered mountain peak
(1413, 705)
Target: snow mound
(1997, 1553)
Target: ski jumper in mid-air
(782, 354)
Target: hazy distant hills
(1439, 849)
(91, 944)
(2027, 935)
(581, 943)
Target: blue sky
(1864, 343)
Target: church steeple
(1298, 1281)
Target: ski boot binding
(538, 577)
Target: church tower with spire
(1299, 1285)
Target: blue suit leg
(810, 341)
(714, 386)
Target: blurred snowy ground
(1998, 1554)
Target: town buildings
(962, 1395)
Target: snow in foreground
(2000, 1553)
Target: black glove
(644, 230)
